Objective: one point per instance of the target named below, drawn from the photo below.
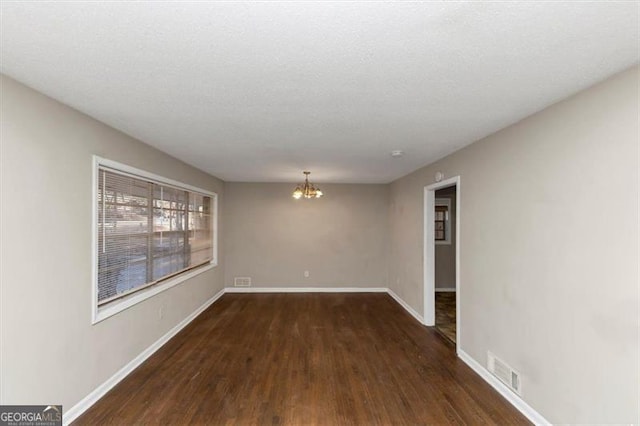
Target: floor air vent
(504, 372)
(242, 282)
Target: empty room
(319, 213)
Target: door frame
(429, 286)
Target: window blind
(147, 232)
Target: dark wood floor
(446, 314)
(301, 359)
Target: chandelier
(307, 189)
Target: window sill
(111, 309)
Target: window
(150, 234)
(442, 227)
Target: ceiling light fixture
(307, 189)
(397, 153)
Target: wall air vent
(242, 282)
(504, 372)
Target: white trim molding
(75, 411)
(531, 414)
(406, 306)
(135, 298)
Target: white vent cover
(242, 282)
(504, 372)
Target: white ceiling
(262, 91)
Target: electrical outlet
(306, 274)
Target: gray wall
(445, 254)
(50, 351)
(545, 284)
(341, 239)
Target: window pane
(122, 265)
(168, 254)
(147, 231)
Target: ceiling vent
(505, 373)
(242, 282)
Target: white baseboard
(75, 411)
(445, 290)
(406, 306)
(306, 289)
(531, 414)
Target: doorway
(445, 261)
(442, 257)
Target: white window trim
(447, 228)
(99, 314)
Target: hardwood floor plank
(312, 359)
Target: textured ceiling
(261, 91)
